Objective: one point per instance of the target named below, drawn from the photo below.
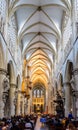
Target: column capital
(3, 71)
(75, 71)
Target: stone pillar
(74, 104)
(75, 73)
(22, 104)
(30, 101)
(23, 111)
(73, 96)
(12, 98)
(67, 98)
(25, 106)
(47, 101)
(18, 103)
(73, 13)
(2, 77)
(28, 106)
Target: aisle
(39, 125)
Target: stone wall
(10, 53)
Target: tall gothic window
(41, 93)
(38, 93)
(34, 93)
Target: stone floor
(39, 125)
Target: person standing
(70, 116)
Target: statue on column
(15, 100)
(5, 97)
(6, 88)
(59, 105)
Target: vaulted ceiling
(39, 24)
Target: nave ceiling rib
(36, 45)
(39, 30)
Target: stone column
(28, 106)
(25, 103)
(67, 98)
(73, 96)
(30, 101)
(74, 104)
(46, 101)
(75, 73)
(22, 104)
(73, 13)
(23, 111)
(18, 103)
(49, 99)
(12, 98)
(2, 77)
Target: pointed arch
(68, 71)
(11, 72)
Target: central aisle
(39, 125)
